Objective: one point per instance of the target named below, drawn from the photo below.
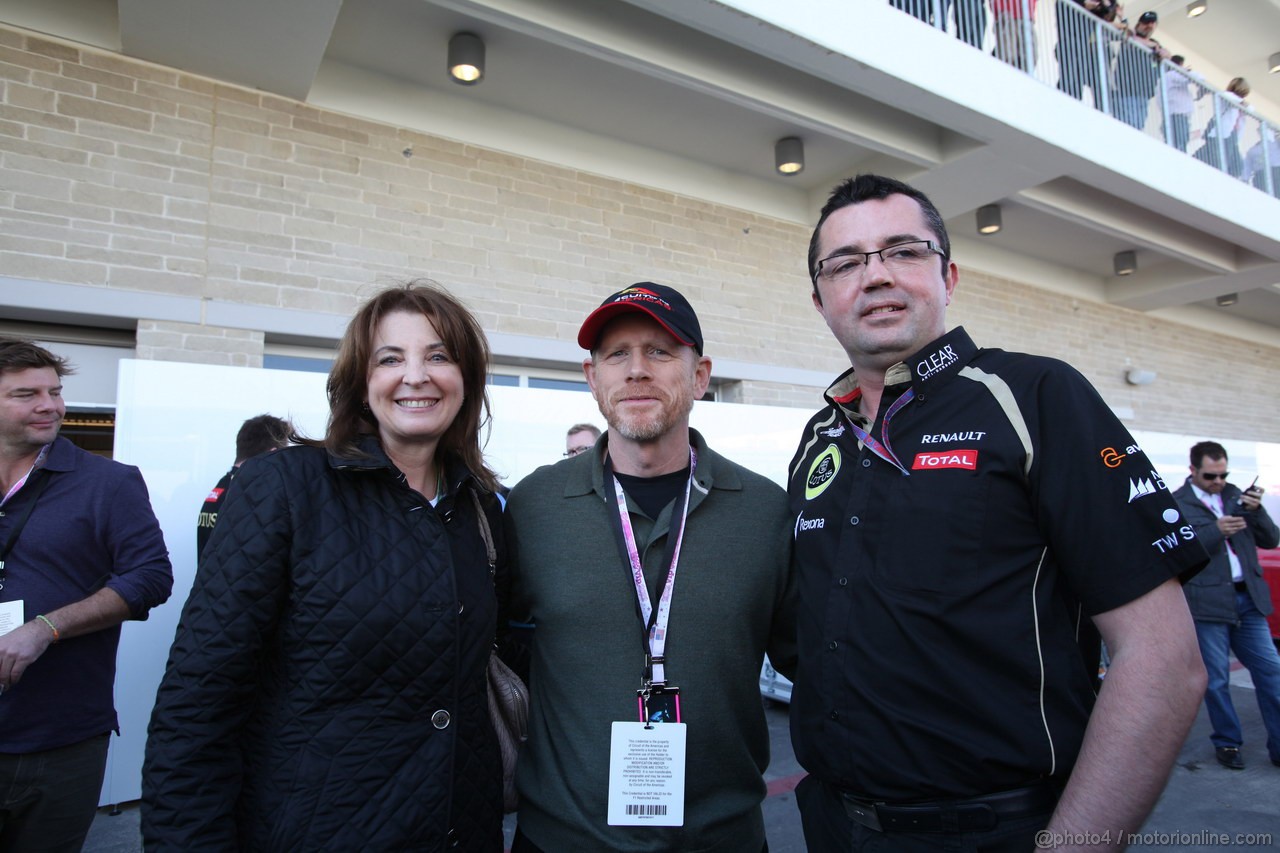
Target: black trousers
(829, 829)
(49, 798)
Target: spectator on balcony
(1182, 103)
(1255, 166)
(1227, 122)
(971, 20)
(971, 16)
(1138, 72)
(922, 9)
(1079, 59)
(1015, 42)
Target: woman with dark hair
(326, 689)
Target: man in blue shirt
(80, 552)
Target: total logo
(1113, 458)
(967, 459)
(822, 472)
(1140, 487)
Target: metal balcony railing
(1063, 45)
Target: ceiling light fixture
(1273, 64)
(1134, 376)
(989, 220)
(1126, 263)
(1196, 8)
(788, 155)
(466, 58)
(1226, 300)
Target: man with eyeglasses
(966, 522)
(580, 439)
(1229, 600)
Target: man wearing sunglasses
(1229, 600)
(966, 522)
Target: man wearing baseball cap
(1137, 72)
(646, 731)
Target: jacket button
(440, 719)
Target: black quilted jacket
(326, 688)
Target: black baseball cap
(662, 303)
(1148, 18)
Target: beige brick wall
(167, 341)
(120, 174)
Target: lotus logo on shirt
(822, 472)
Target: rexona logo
(822, 472)
(946, 459)
(803, 524)
(935, 361)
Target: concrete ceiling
(693, 81)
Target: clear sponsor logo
(1173, 539)
(967, 459)
(1140, 487)
(948, 437)
(935, 361)
(822, 472)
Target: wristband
(52, 627)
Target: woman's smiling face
(415, 386)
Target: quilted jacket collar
(374, 458)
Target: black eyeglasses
(1212, 477)
(578, 451)
(850, 266)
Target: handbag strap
(485, 533)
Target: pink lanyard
(882, 448)
(655, 622)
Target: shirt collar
(931, 367)
(1205, 497)
(587, 470)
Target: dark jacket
(90, 528)
(1211, 594)
(326, 689)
